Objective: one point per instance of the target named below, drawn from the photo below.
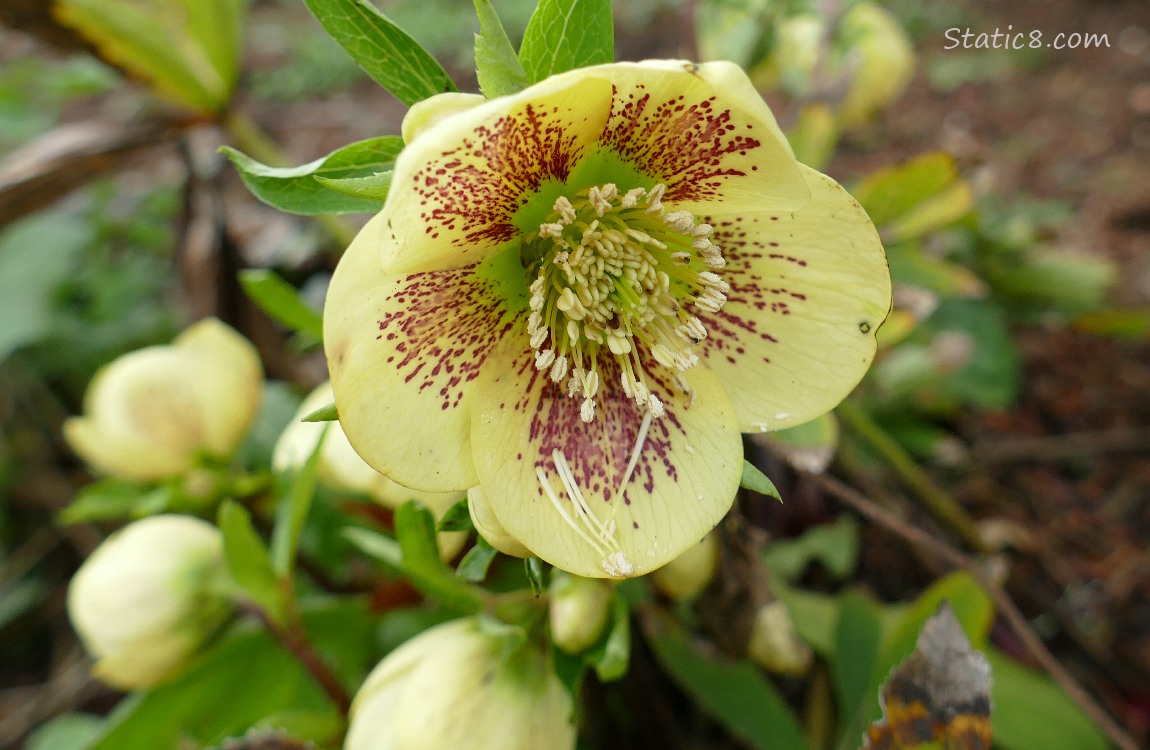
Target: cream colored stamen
(615, 275)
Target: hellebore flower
(341, 468)
(146, 600)
(576, 297)
(151, 413)
(457, 685)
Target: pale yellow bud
(146, 600)
(578, 608)
(455, 687)
(689, 573)
(882, 57)
(150, 413)
(774, 643)
(341, 468)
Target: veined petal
(456, 189)
(683, 481)
(704, 132)
(809, 290)
(403, 351)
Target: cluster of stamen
(617, 274)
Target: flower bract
(577, 297)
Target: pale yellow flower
(576, 297)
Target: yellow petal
(489, 527)
(403, 352)
(703, 131)
(809, 290)
(433, 110)
(685, 478)
(457, 188)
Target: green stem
(250, 138)
(936, 500)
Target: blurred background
(1010, 186)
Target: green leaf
(382, 49)
(415, 531)
(892, 192)
(416, 556)
(567, 34)
(243, 679)
(835, 545)
(858, 640)
(1031, 711)
(113, 500)
(612, 656)
(457, 518)
(188, 50)
(249, 562)
(323, 414)
(496, 65)
(734, 693)
(757, 481)
(297, 189)
(73, 731)
(473, 567)
(293, 513)
(37, 255)
(373, 187)
(281, 301)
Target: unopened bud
(149, 414)
(882, 57)
(148, 598)
(578, 608)
(689, 573)
(774, 644)
(457, 686)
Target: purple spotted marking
(437, 350)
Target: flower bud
(578, 609)
(689, 573)
(774, 643)
(146, 600)
(149, 414)
(884, 60)
(460, 685)
(341, 468)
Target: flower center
(617, 275)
